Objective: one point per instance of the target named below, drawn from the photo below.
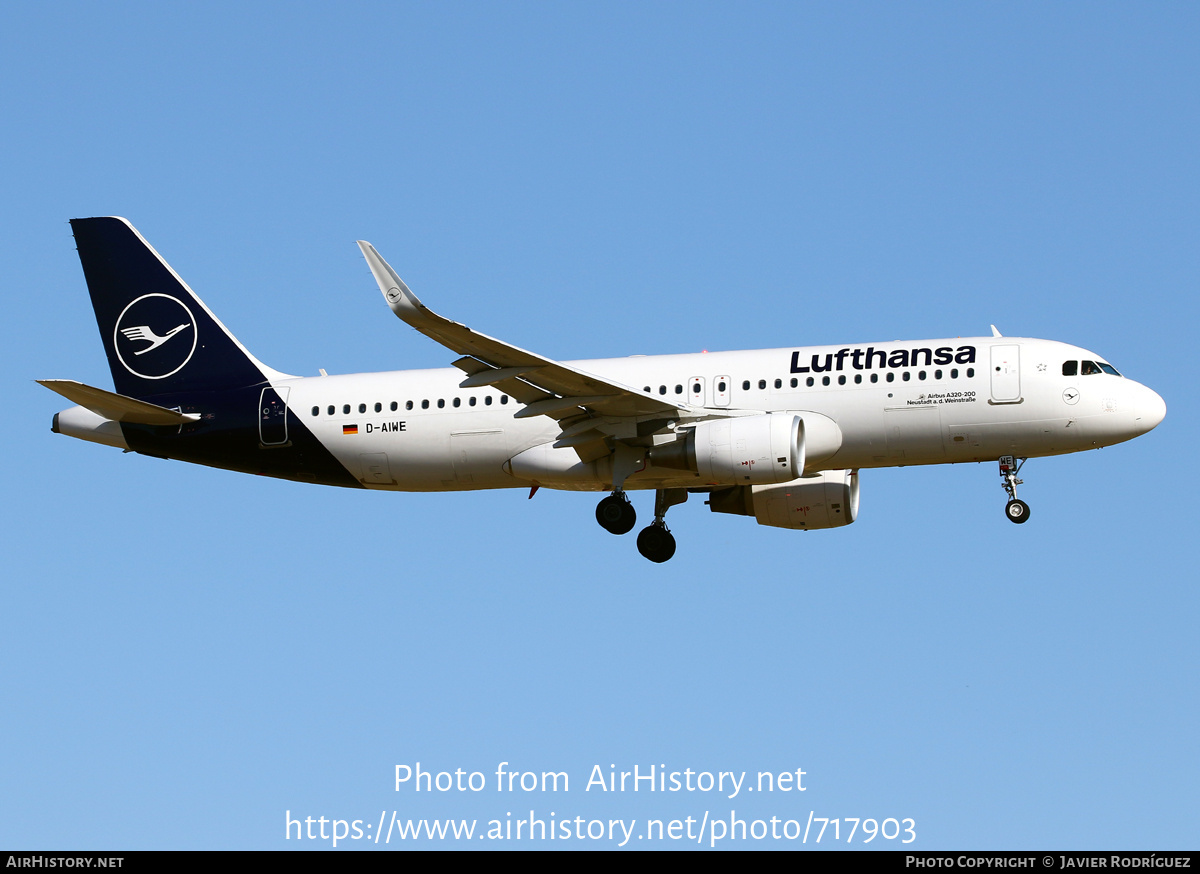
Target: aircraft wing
(545, 387)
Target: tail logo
(143, 332)
(140, 324)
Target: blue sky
(189, 653)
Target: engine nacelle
(745, 450)
(822, 440)
(827, 500)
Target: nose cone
(1151, 409)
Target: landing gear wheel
(1017, 511)
(616, 515)
(656, 543)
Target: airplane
(776, 434)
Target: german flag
(349, 429)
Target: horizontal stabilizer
(118, 408)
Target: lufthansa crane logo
(155, 336)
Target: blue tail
(160, 338)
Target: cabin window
(842, 379)
(487, 400)
(970, 372)
(316, 411)
(721, 386)
(425, 405)
(504, 399)
(745, 385)
(394, 405)
(378, 407)
(408, 405)
(679, 389)
(954, 373)
(762, 384)
(795, 382)
(441, 403)
(921, 374)
(874, 377)
(858, 379)
(696, 388)
(937, 374)
(662, 389)
(330, 409)
(809, 382)
(891, 377)
(471, 400)
(779, 383)
(824, 380)
(907, 376)
(345, 409)
(457, 402)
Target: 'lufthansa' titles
(882, 359)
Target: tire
(616, 515)
(656, 543)
(1017, 511)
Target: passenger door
(1006, 374)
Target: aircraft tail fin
(159, 336)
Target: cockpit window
(1070, 368)
(1089, 368)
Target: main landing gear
(616, 515)
(1016, 511)
(656, 542)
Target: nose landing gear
(1016, 511)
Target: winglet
(995, 333)
(403, 302)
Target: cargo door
(914, 433)
(478, 456)
(375, 469)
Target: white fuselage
(894, 403)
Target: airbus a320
(776, 434)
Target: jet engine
(827, 500)
(767, 448)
